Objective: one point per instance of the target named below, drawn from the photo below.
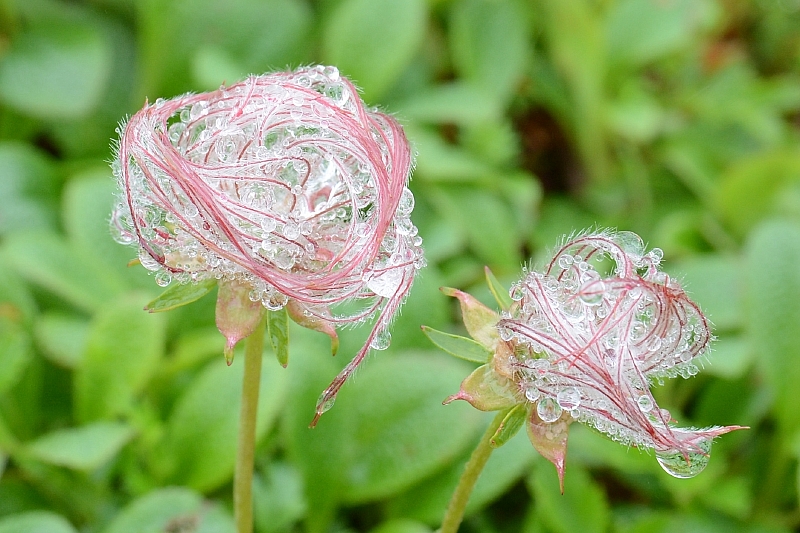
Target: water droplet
(548, 410)
(592, 293)
(685, 464)
(654, 343)
(197, 110)
(175, 131)
(386, 283)
(291, 231)
(532, 394)
(569, 398)
(517, 292)
(325, 404)
(381, 340)
(163, 279)
(565, 261)
(505, 332)
(406, 203)
(656, 254)
(630, 243)
(645, 403)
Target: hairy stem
(245, 455)
(473, 469)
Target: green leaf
(84, 448)
(28, 189)
(730, 357)
(56, 69)
(512, 423)
(123, 351)
(489, 44)
(62, 338)
(442, 162)
(459, 346)
(203, 427)
(427, 500)
(15, 351)
(759, 185)
(35, 522)
(394, 426)
(47, 260)
(278, 331)
(499, 292)
(713, 281)
(456, 103)
(773, 298)
(179, 294)
(174, 508)
(402, 526)
(278, 498)
(228, 41)
(88, 199)
(640, 31)
(582, 507)
(373, 41)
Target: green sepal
(278, 329)
(179, 294)
(479, 320)
(513, 421)
(458, 346)
(498, 291)
(485, 390)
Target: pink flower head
(284, 182)
(587, 336)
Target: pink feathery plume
(592, 331)
(284, 182)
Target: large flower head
(285, 183)
(584, 338)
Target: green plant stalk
(245, 454)
(473, 469)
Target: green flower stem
(473, 469)
(245, 455)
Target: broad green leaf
(62, 338)
(82, 448)
(714, 282)
(373, 41)
(56, 69)
(773, 298)
(489, 44)
(322, 454)
(47, 260)
(228, 41)
(395, 427)
(499, 292)
(456, 103)
(278, 331)
(730, 357)
(441, 162)
(179, 294)
(458, 346)
(35, 522)
(88, 200)
(402, 526)
(27, 190)
(512, 423)
(642, 30)
(123, 350)
(174, 508)
(582, 507)
(427, 500)
(202, 429)
(15, 351)
(278, 500)
(757, 186)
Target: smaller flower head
(585, 338)
(284, 183)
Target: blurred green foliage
(677, 119)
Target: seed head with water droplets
(286, 183)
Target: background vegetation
(678, 119)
